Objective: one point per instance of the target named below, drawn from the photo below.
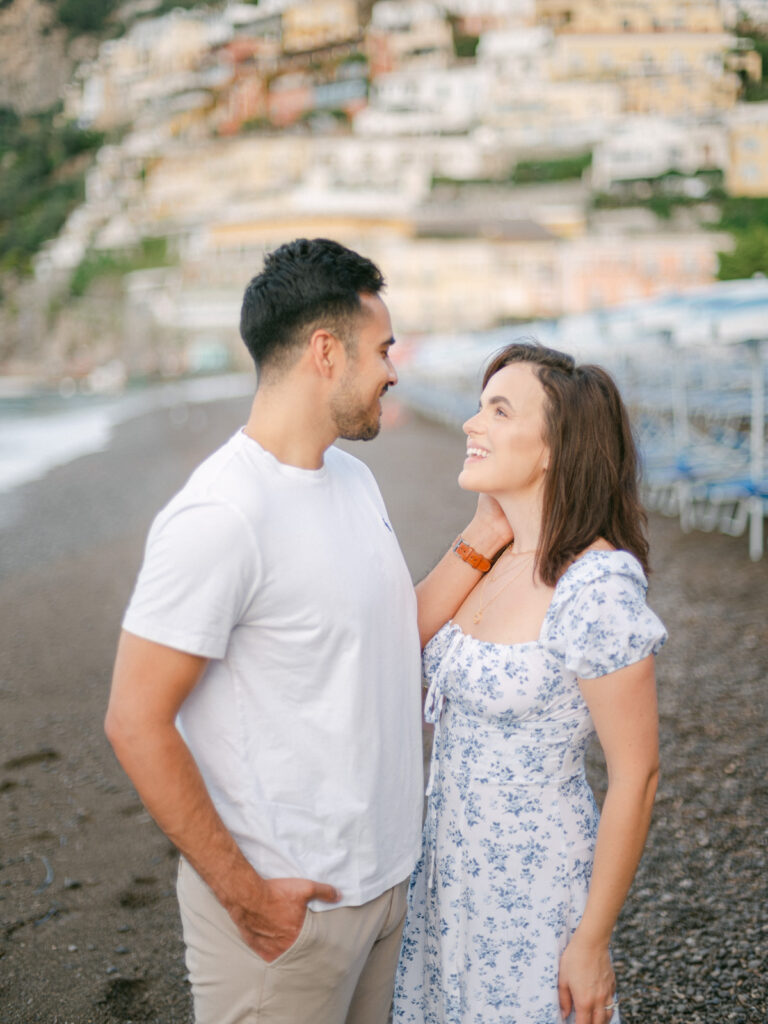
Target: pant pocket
(301, 940)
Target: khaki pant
(340, 970)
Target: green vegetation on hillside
(528, 172)
(740, 213)
(747, 220)
(98, 17)
(536, 172)
(88, 16)
(756, 91)
(463, 45)
(165, 6)
(743, 217)
(42, 171)
(749, 256)
(150, 252)
(661, 195)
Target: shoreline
(51, 428)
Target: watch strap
(470, 556)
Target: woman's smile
(511, 418)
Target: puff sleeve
(603, 623)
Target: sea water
(43, 429)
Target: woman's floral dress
(511, 821)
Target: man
(265, 700)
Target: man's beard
(354, 422)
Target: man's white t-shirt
(306, 722)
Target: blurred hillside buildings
(397, 128)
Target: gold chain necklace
(512, 577)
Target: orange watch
(470, 556)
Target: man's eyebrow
(389, 342)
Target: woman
(512, 904)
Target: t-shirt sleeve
(607, 625)
(200, 573)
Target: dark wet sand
(89, 929)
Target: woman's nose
(470, 426)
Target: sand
(89, 929)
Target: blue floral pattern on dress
(511, 820)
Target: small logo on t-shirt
(386, 524)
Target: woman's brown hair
(591, 485)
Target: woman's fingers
(597, 1010)
(564, 996)
(593, 1011)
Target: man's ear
(324, 351)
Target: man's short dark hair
(305, 284)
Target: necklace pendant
(477, 616)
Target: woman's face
(506, 451)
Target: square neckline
(454, 626)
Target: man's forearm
(268, 913)
(170, 785)
(149, 685)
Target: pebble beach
(89, 928)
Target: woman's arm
(624, 711)
(441, 593)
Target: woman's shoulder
(600, 562)
(600, 620)
(600, 582)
